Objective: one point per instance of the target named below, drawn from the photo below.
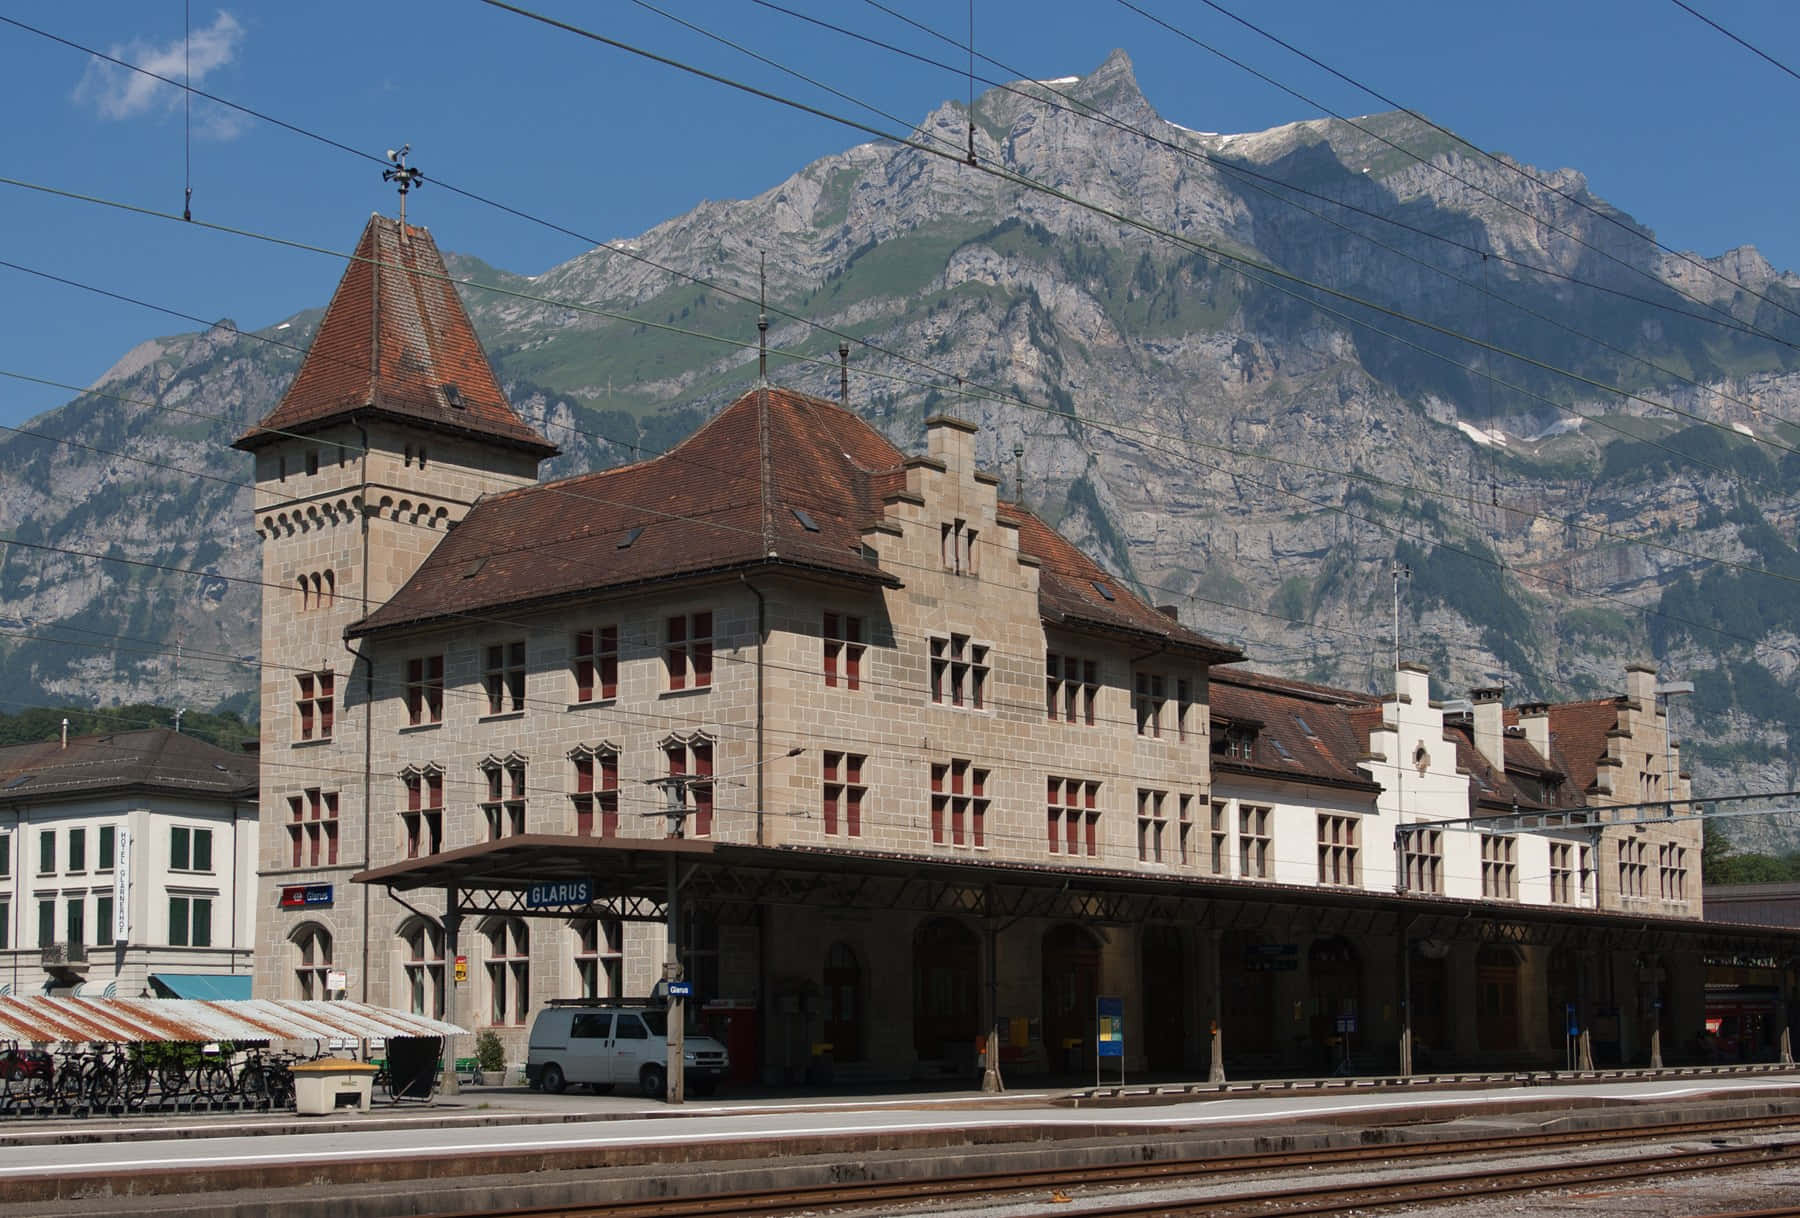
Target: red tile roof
(153, 759)
(729, 497)
(1305, 732)
(1578, 733)
(396, 340)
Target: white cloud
(117, 92)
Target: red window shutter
(831, 811)
(853, 811)
(609, 661)
(1093, 833)
(978, 822)
(937, 820)
(703, 664)
(1050, 820)
(584, 774)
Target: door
(843, 1003)
(590, 1048)
(1165, 998)
(631, 1049)
(1071, 982)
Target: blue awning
(208, 987)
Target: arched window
(305, 595)
(330, 588)
(508, 970)
(600, 956)
(312, 960)
(424, 942)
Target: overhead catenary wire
(1651, 403)
(613, 249)
(1271, 187)
(1743, 42)
(1507, 166)
(1252, 270)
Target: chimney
(1640, 685)
(1172, 612)
(951, 441)
(1534, 717)
(65, 732)
(1490, 728)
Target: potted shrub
(490, 1058)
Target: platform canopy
(40, 1021)
(527, 875)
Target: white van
(609, 1043)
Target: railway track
(1323, 1199)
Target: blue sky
(1670, 121)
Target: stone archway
(842, 983)
(1497, 998)
(1071, 982)
(1163, 958)
(946, 991)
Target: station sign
(305, 896)
(560, 892)
(681, 989)
(1272, 957)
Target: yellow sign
(462, 969)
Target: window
(959, 671)
(108, 838)
(1151, 824)
(46, 852)
(312, 460)
(504, 806)
(1422, 860)
(423, 821)
(1565, 886)
(1221, 839)
(503, 674)
(1633, 870)
(843, 793)
(1254, 844)
(843, 644)
(76, 920)
(318, 590)
(596, 794)
(103, 920)
(1340, 848)
(1184, 708)
(1671, 865)
(5, 859)
(693, 759)
(312, 830)
(1071, 687)
(688, 650)
(424, 965)
(313, 702)
(191, 849)
(958, 541)
(508, 971)
(424, 690)
(600, 957)
(596, 664)
(5, 923)
(1151, 696)
(1185, 828)
(312, 961)
(46, 921)
(958, 804)
(1073, 816)
(1237, 743)
(190, 921)
(1499, 866)
(78, 851)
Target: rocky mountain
(1259, 450)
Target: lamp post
(1665, 694)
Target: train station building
(929, 780)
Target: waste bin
(324, 1086)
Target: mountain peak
(1113, 84)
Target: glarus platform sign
(560, 892)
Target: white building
(127, 867)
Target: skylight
(1305, 726)
(1102, 589)
(630, 536)
(20, 781)
(474, 568)
(805, 519)
(1281, 749)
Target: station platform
(491, 1148)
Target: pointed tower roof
(396, 341)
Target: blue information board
(681, 989)
(1109, 1036)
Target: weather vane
(409, 179)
